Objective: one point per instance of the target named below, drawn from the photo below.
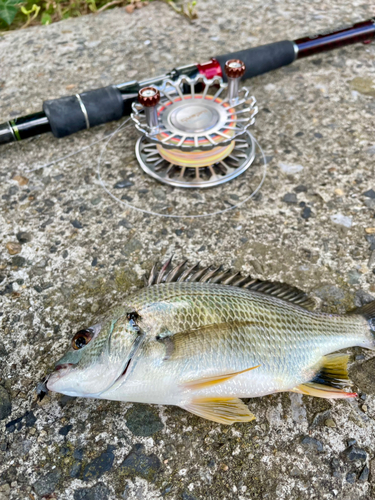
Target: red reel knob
(149, 97)
(234, 68)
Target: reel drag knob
(234, 69)
(149, 97)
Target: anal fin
(222, 410)
(323, 391)
(330, 380)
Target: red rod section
(359, 32)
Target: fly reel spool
(196, 139)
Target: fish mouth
(58, 373)
(42, 388)
(62, 366)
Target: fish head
(98, 356)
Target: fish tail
(368, 312)
(332, 375)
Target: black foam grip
(259, 60)
(6, 134)
(65, 115)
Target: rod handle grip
(71, 114)
(259, 60)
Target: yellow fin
(323, 391)
(334, 368)
(217, 379)
(222, 410)
(330, 380)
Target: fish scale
(201, 345)
(284, 335)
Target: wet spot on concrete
(5, 403)
(47, 484)
(330, 294)
(142, 420)
(97, 492)
(76, 223)
(139, 464)
(65, 430)
(99, 466)
(312, 444)
(354, 453)
(363, 376)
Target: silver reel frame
(223, 125)
(232, 166)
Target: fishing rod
(70, 114)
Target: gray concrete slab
(83, 252)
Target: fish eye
(81, 338)
(132, 317)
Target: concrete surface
(83, 251)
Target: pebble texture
(69, 251)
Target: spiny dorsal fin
(368, 310)
(169, 274)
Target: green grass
(18, 14)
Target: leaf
(92, 5)
(35, 8)
(8, 10)
(46, 18)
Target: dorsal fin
(181, 273)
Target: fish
(202, 338)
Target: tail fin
(368, 311)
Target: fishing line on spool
(173, 216)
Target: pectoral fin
(222, 410)
(323, 391)
(218, 379)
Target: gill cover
(94, 367)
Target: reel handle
(149, 97)
(234, 71)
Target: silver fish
(203, 338)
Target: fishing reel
(195, 130)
